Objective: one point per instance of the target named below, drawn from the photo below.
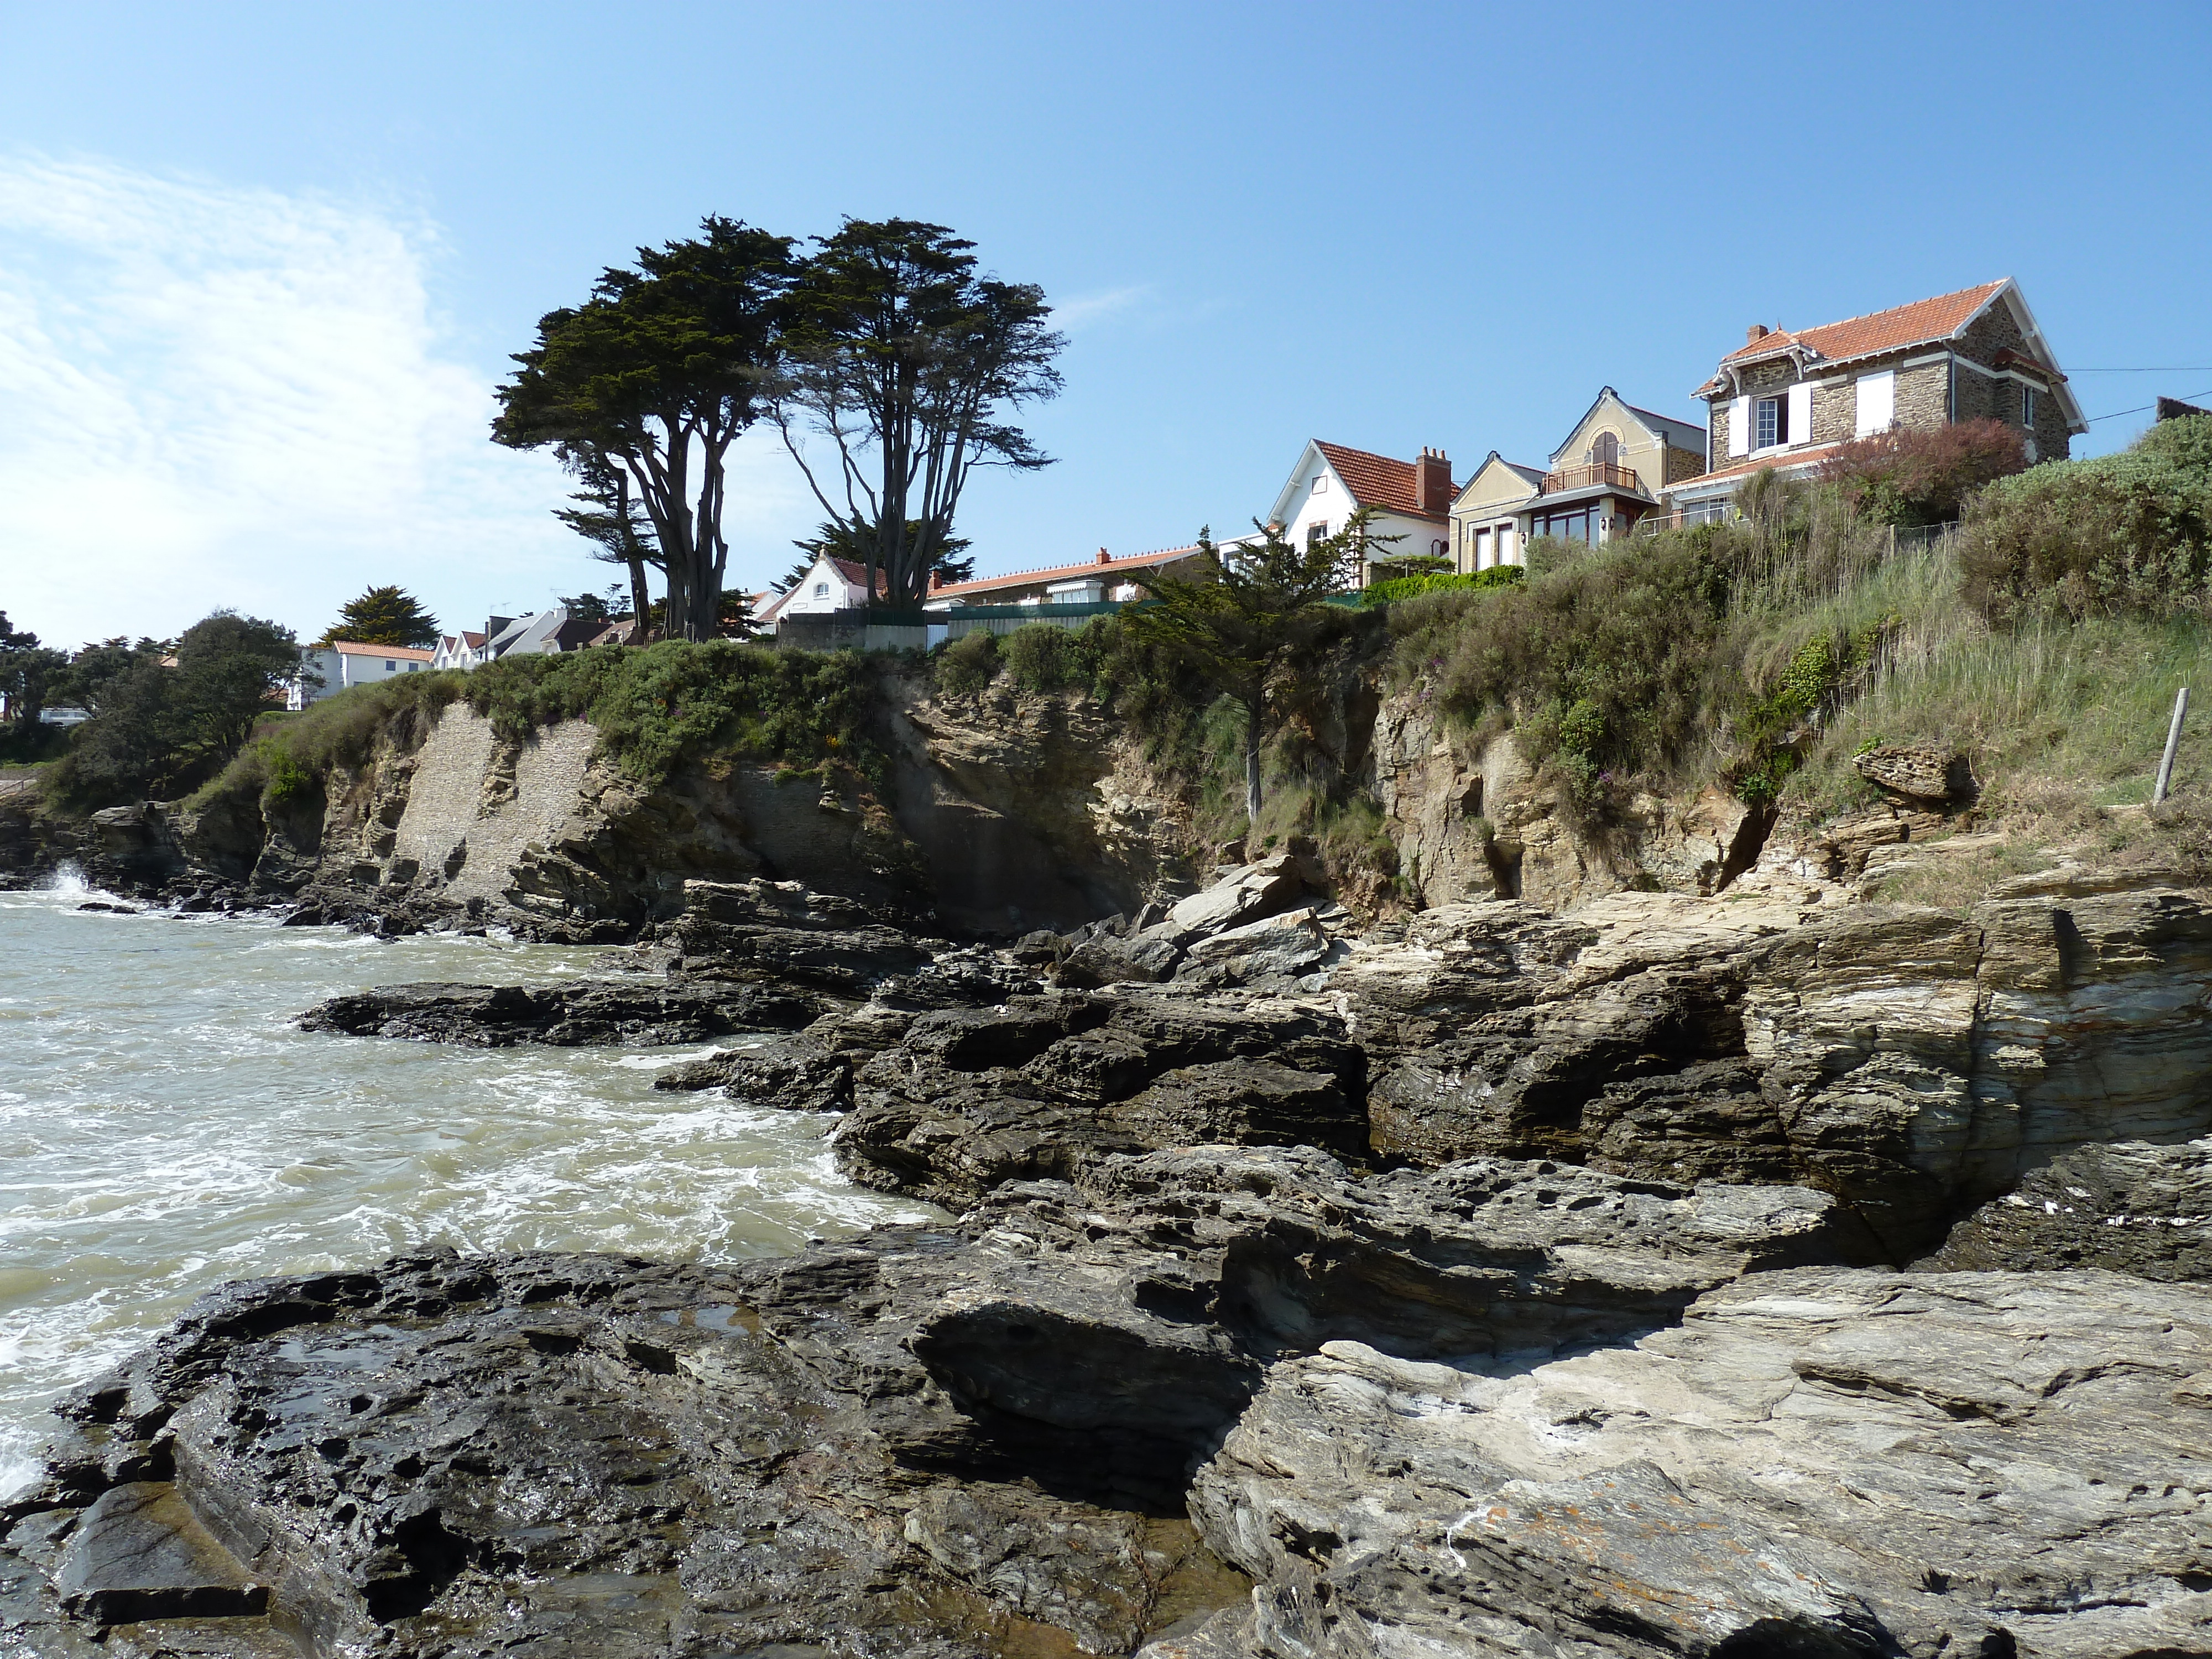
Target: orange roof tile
(1062, 572)
(1893, 330)
(1379, 481)
(359, 648)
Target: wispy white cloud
(1085, 309)
(222, 396)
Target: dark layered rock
(973, 1439)
(2130, 1207)
(1233, 933)
(1817, 1463)
(571, 1014)
(1044, 1084)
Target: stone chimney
(1103, 557)
(1754, 334)
(1433, 489)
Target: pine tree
(384, 616)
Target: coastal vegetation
(384, 616)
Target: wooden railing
(1590, 473)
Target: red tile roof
(1378, 481)
(1063, 573)
(1893, 330)
(357, 648)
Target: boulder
(1816, 1462)
(569, 1014)
(1920, 773)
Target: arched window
(1606, 452)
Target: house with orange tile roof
(1790, 398)
(1067, 595)
(1410, 500)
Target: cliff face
(997, 814)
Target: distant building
(345, 663)
(461, 650)
(1615, 466)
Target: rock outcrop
(971, 1439)
(2130, 1207)
(1040, 1087)
(1915, 1062)
(1815, 1462)
(572, 1014)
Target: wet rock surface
(568, 1015)
(1812, 1463)
(968, 1439)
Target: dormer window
(1771, 422)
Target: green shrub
(2130, 532)
(968, 663)
(1040, 657)
(1603, 664)
(1910, 476)
(1410, 587)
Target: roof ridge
(1883, 311)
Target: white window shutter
(1877, 402)
(1801, 412)
(1739, 426)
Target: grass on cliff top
(655, 708)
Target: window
(2027, 406)
(1606, 452)
(1772, 419)
(821, 590)
(1581, 525)
(1482, 550)
(1317, 532)
(1321, 485)
(390, 667)
(1876, 399)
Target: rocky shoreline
(1731, 1275)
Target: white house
(829, 585)
(344, 663)
(1411, 499)
(462, 650)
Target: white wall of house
(354, 665)
(826, 588)
(1318, 496)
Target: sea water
(164, 1128)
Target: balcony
(1593, 474)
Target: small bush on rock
(968, 663)
(1040, 657)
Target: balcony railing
(1593, 474)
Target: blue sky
(260, 266)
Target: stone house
(1616, 465)
(1788, 399)
(1410, 500)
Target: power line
(2184, 368)
(2117, 413)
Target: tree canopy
(27, 672)
(383, 615)
(645, 386)
(911, 365)
(164, 717)
(1244, 616)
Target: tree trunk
(1251, 777)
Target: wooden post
(2172, 743)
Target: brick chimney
(1103, 557)
(1432, 486)
(936, 581)
(1754, 334)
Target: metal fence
(1003, 619)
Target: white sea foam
(165, 1127)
